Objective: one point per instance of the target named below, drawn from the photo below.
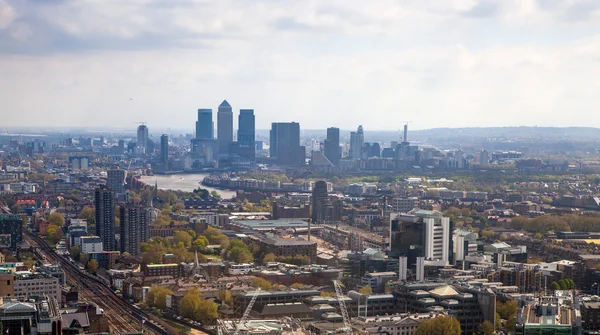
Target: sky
(323, 63)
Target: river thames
(184, 182)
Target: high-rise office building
(224, 127)
(422, 233)
(204, 125)
(331, 145)
(134, 227)
(142, 138)
(357, 140)
(484, 157)
(246, 134)
(319, 201)
(116, 180)
(285, 146)
(104, 202)
(11, 230)
(164, 150)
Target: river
(184, 182)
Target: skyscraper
(246, 133)
(285, 146)
(319, 201)
(164, 150)
(142, 138)
(332, 145)
(105, 217)
(357, 140)
(116, 180)
(224, 127)
(134, 227)
(204, 125)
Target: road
(118, 312)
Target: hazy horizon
(438, 64)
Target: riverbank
(187, 182)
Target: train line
(122, 317)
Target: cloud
(334, 63)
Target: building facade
(134, 227)
(104, 202)
(224, 127)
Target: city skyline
(447, 64)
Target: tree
(215, 236)
(562, 284)
(507, 309)
(446, 325)
(192, 234)
(570, 283)
(177, 208)
(193, 306)
(270, 257)
(157, 297)
(554, 286)
(184, 237)
(263, 284)
(54, 233)
(200, 243)
(297, 286)
(239, 252)
(327, 294)
(215, 194)
(366, 290)
(74, 251)
(486, 328)
(84, 258)
(56, 219)
(226, 297)
(92, 266)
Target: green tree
(215, 236)
(92, 266)
(366, 290)
(445, 325)
(554, 286)
(270, 257)
(507, 308)
(184, 237)
(215, 194)
(226, 297)
(193, 306)
(192, 234)
(56, 219)
(570, 283)
(157, 297)
(200, 243)
(239, 252)
(297, 286)
(74, 251)
(54, 233)
(87, 213)
(263, 284)
(562, 284)
(486, 328)
(177, 208)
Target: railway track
(122, 317)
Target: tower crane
(338, 291)
(247, 311)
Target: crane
(247, 311)
(338, 291)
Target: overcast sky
(443, 63)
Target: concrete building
(224, 127)
(548, 315)
(377, 280)
(246, 135)
(7, 285)
(90, 244)
(319, 201)
(285, 148)
(11, 231)
(484, 157)
(134, 227)
(287, 247)
(205, 126)
(332, 150)
(357, 141)
(104, 202)
(157, 270)
(116, 180)
(31, 284)
(31, 315)
(164, 151)
(142, 138)
(422, 233)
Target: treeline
(545, 223)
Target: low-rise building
(31, 284)
(35, 315)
